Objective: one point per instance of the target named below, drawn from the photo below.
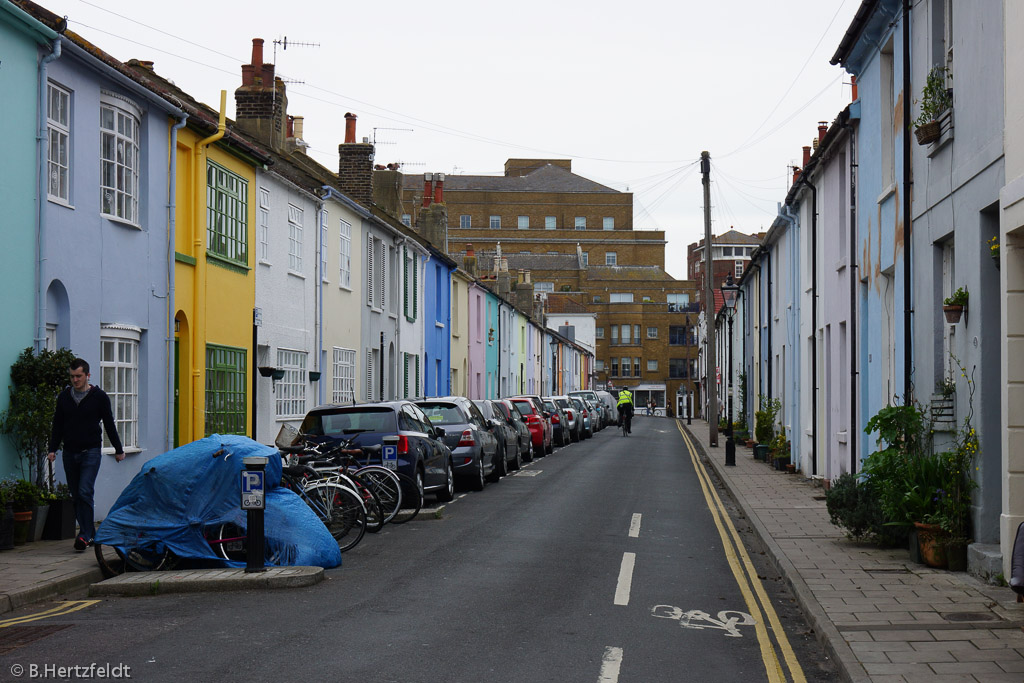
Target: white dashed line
(634, 526)
(625, 579)
(610, 664)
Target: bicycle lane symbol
(727, 620)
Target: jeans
(81, 469)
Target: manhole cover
(969, 616)
(14, 637)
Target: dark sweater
(78, 425)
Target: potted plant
(936, 98)
(993, 249)
(24, 497)
(780, 449)
(6, 520)
(953, 305)
(764, 425)
(60, 520)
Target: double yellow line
(66, 607)
(754, 595)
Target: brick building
(575, 237)
(730, 254)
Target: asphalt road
(604, 562)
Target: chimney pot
(439, 188)
(807, 155)
(297, 126)
(257, 52)
(853, 84)
(428, 189)
(350, 128)
(822, 129)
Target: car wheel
(529, 452)
(447, 494)
(501, 468)
(518, 462)
(479, 481)
(550, 447)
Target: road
(609, 561)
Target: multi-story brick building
(576, 239)
(730, 254)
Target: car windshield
(349, 421)
(564, 402)
(443, 413)
(525, 406)
(549, 406)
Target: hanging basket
(928, 133)
(953, 314)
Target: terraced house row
(219, 280)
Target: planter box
(60, 521)
(928, 132)
(760, 451)
(35, 527)
(781, 462)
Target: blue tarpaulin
(181, 496)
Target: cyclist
(625, 407)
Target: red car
(538, 421)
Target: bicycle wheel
(386, 485)
(114, 560)
(340, 509)
(228, 542)
(371, 504)
(412, 500)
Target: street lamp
(729, 290)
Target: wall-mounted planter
(953, 313)
(266, 370)
(928, 132)
(314, 375)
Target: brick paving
(884, 618)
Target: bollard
(254, 502)
(730, 450)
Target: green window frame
(226, 400)
(227, 214)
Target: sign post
(254, 502)
(389, 452)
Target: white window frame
(599, 365)
(550, 222)
(290, 390)
(608, 223)
(119, 378)
(343, 376)
(494, 222)
(598, 333)
(119, 158)
(523, 222)
(652, 365)
(544, 287)
(263, 226)
(580, 222)
(407, 220)
(58, 150)
(611, 258)
(295, 218)
(586, 258)
(344, 254)
(620, 297)
(652, 332)
(465, 221)
(738, 271)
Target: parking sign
(253, 490)
(390, 456)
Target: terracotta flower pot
(931, 541)
(21, 523)
(953, 313)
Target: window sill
(295, 273)
(218, 260)
(886, 193)
(130, 450)
(438, 325)
(344, 288)
(61, 202)
(121, 221)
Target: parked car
(559, 421)
(571, 415)
(586, 422)
(467, 434)
(515, 418)
(536, 418)
(508, 456)
(422, 453)
(592, 397)
(611, 413)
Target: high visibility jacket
(625, 398)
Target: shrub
(853, 505)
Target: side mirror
(546, 415)
(439, 432)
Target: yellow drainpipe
(199, 291)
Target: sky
(631, 92)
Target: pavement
(880, 617)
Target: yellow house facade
(214, 280)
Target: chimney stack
(853, 84)
(261, 104)
(469, 262)
(428, 189)
(822, 130)
(807, 155)
(355, 165)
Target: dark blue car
(422, 453)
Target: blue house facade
(27, 43)
(106, 253)
(437, 324)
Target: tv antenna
(409, 130)
(283, 42)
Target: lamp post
(555, 370)
(729, 290)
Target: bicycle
(625, 419)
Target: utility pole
(709, 303)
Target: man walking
(76, 423)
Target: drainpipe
(318, 295)
(814, 320)
(908, 311)
(171, 241)
(768, 318)
(199, 293)
(41, 150)
(852, 432)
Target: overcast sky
(632, 92)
